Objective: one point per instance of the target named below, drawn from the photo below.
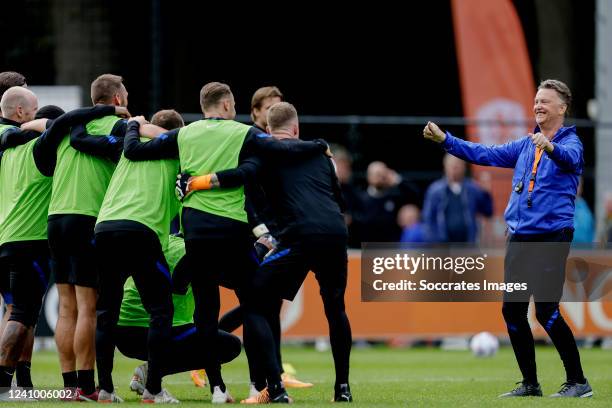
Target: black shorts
(5, 283)
(283, 272)
(73, 255)
(27, 264)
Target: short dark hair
(562, 90)
(49, 112)
(168, 119)
(212, 93)
(104, 87)
(9, 79)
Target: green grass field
(384, 377)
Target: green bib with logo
(209, 146)
(80, 180)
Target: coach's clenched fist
(542, 142)
(433, 132)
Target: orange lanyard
(534, 171)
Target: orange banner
(304, 317)
(496, 81)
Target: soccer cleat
(139, 379)
(343, 393)
(7, 396)
(199, 378)
(524, 390)
(70, 394)
(220, 397)
(574, 390)
(263, 397)
(105, 397)
(93, 397)
(164, 397)
(289, 381)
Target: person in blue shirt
(451, 204)
(409, 220)
(547, 165)
(584, 224)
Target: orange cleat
(199, 378)
(289, 381)
(263, 397)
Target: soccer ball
(484, 344)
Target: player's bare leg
(85, 340)
(65, 328)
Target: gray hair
(562, 90)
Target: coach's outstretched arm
(504, 155)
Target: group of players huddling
(90, 196)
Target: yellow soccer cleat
(289, 381)
(199, 378)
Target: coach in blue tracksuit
(547, 165)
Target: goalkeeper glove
(181, 185)
(185, 184)
(265, 241)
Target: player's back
(211, 145)
(80, 180)
(304, 196)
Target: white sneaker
(164, 397)
(220, 397)
(17, 395)
(253, 391)
(109, 397)
(139, 379)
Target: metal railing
(408, 120)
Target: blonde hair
(280, 114)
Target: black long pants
(137, 254)
(539, 261)
(213, 262)
(184, 352)
(282, 274)
(234, 318)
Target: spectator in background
(261, 101)
(606, 236)
(387, 192)
(584, 225)
(9, 79)
(409, 220)
(451, 205)
(353, 197)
